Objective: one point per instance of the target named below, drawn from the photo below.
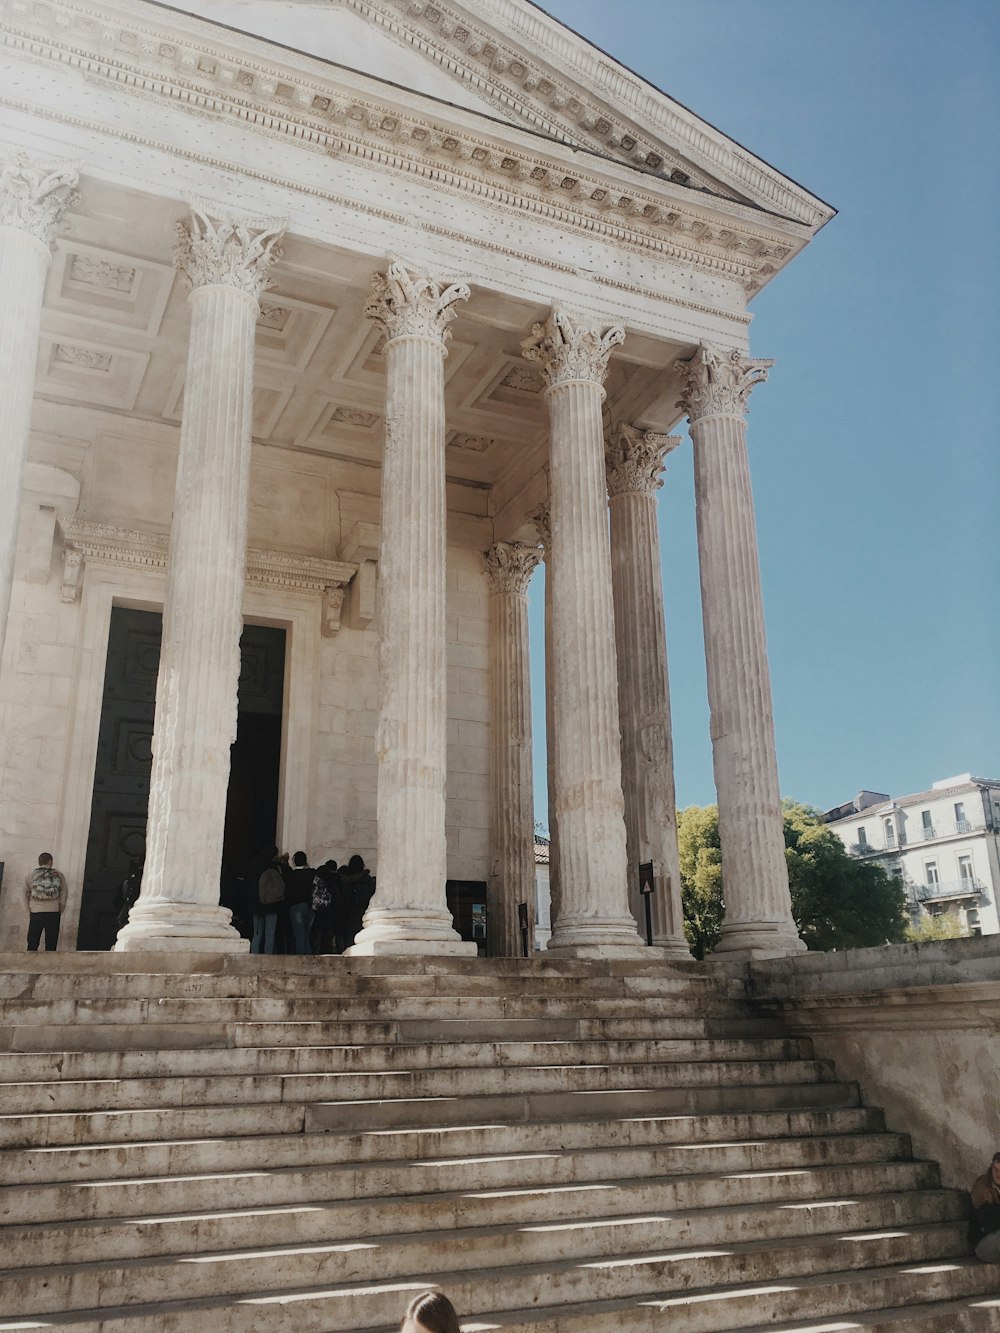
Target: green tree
(838, 902)
(946, 926)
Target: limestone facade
(330, 440)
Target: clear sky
(874, 445)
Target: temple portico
(273, 501)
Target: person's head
(300, 859)
(356, 864)
(45, 859)
(995, 1169)
(431, 1312)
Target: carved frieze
(510, 565)
(99, 273)
(34, 197)
(635, 459)
(107, 546)
(404, 304)
(565, 351)
(215, 250)
(718, 383)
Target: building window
(965, 871)
(931, 874)
(972, 921)
(890, 833)
(862, 840)
(928, 823)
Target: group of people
(296, 908)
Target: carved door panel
(124, 759)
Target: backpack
(271, 888)
(321, 896)
(46, 885)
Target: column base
(163, 926)
(759, 939)
(399, 933)
(672, 948)
(611, 938)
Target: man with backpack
(45, 895)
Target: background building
(944, 843)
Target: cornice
(108, 546)
(509, 76)
(718, 236)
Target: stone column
(509, 566)
(33, 200)
(541, 518)
(594, 918)
(634, 463)
(226, 262)
(758, 919)
(409, 913)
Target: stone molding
(107, 546)
(719, 383)
(567, 353)
(725, 237)
(34, 198)
(510, 565)
(408, 305)
(214, 249)
(635, 459)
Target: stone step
(63, 1128)
(631, 1203)
(357, 1008)
(69, 1066)
(795, 1168)
(113, 1094)
(973, 1314)
(553, 1266)
(133, 1161)
(206, 1033)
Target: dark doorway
(124, 758)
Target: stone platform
(233, 1143)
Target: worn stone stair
(222, 1144)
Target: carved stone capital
(635, 459)
(34, 198)
(213, 250)
(565, 352)
(541, 516)
(510, 566)
(719, 383)
(410, 305)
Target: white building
(943, 843)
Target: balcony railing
(948, 888)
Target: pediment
(509, 59)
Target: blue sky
(874, 445)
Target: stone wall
(918, 1027)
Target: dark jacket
(985, 1200)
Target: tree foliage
(947, 926)
(838, 902)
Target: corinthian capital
(541, 516)
(33, 198)
(410, 305)
(719, 383)
(635, 458)
(510, 566)
(216, 250)
(565, 352)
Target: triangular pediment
(514, 62)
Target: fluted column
(409, 914)
(509, 567)
(541, 517)
(634, 465)
(226, 262)
(33, 200)
(758, 920)
(594, 918)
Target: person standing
(299, 898)
(45, 895)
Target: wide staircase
(217, 1144)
